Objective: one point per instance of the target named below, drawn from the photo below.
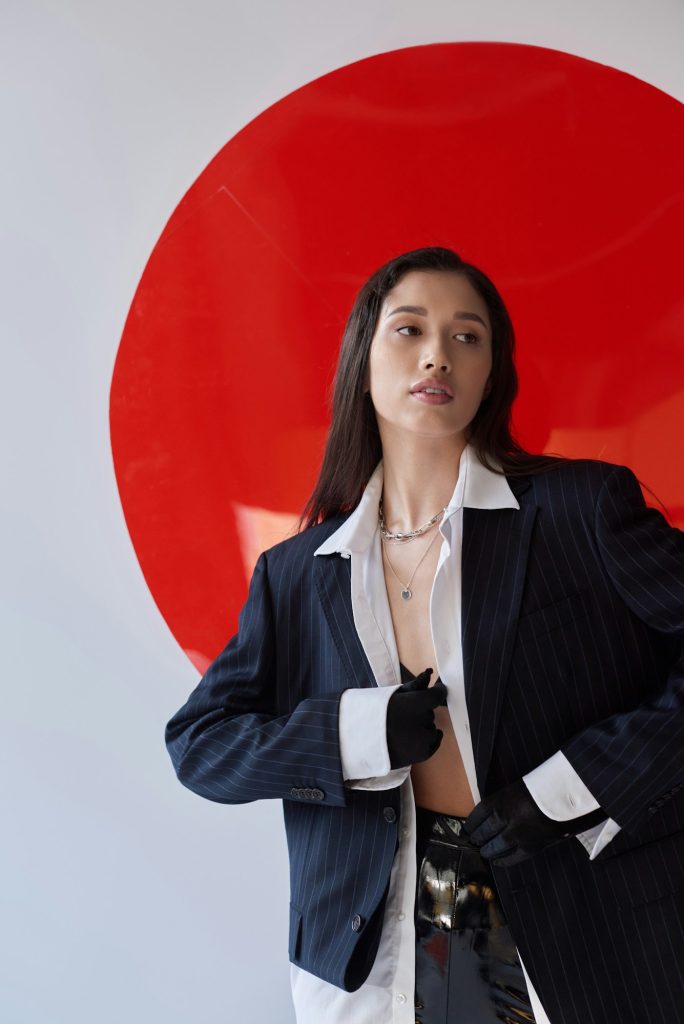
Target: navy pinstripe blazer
(573, 639)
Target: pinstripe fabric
(572, 634)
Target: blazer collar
(476, 487)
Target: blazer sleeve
(227, 743)
(633, 758)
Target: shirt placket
(445, 627)
(373, 621)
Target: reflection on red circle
(560, 177)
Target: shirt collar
(476, 487)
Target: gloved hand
(411, 732)
(508, 826)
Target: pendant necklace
(406, 591)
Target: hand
(508, 826)
(411, 732)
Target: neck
(418, 479)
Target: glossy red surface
(560, 177)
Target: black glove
(411, 732)
(508, 826)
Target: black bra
(407, 675)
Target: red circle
(560, 177)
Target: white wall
(124, 898)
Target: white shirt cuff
(594, 839)
(559, 792)
(363, 739)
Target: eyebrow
(422, 311)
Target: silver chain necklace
(398, 536)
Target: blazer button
(357, 921)
(389, 814)
(308, 793)
(317, 794)
(295, 792)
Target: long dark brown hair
(353, 448)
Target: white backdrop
(124, 898)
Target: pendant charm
(406, 594)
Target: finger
(418, 683)
(498, 847)
(490, 827)
(438, 739)
(476, 817)
(438, 694)
(484, 822)
(510, 859)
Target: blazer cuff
(363, 739)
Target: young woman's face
(446, 336)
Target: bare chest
(439, 783)
(411, 618)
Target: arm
(228, 744)
(623, 763)
(630, 759)
(561, 795)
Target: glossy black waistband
(433, 826)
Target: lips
(430, 382)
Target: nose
(436, 353)
(435, 358)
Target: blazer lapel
(493, 565)
(332, 578)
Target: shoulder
(576, 488)
(584, 478)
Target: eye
(472, 338)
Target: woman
(464, 677)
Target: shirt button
(405, 831)
(571, 801)
(401, 915)
(401, 998)
(467, 727)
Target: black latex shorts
(467, 967)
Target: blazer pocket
(295, 940)
(643, 874)
(565, 610)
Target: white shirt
(387, 996)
